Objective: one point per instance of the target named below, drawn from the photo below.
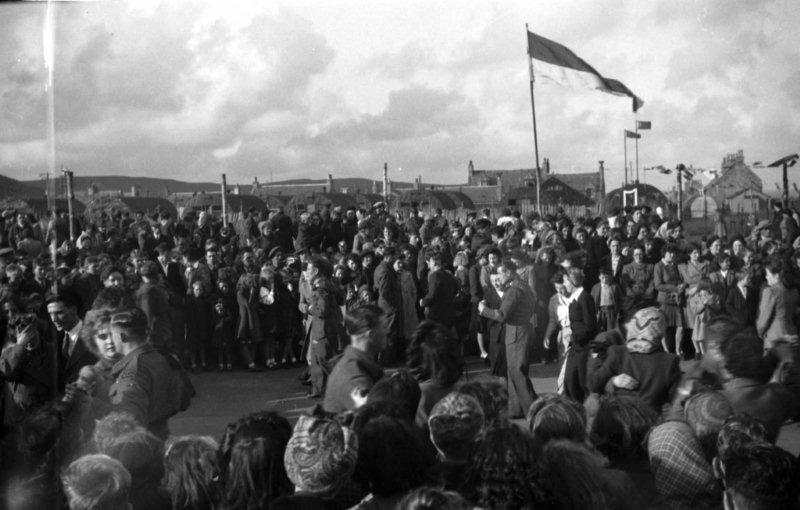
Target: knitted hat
(321, 455)
(457, 419)
(645, 330)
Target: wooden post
(224, 201)
(68, 178)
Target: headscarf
(645, 330)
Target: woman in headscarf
(640, 367)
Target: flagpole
(533, 115)
(625, 145)
(637, 150)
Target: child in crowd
(608, 296)
(199, 324)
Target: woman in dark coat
(248, 330)
(640, 367)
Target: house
(748, 201)
(734, 176)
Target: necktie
(65, 344)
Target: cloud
(306, 88)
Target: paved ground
(224, 397)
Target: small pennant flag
(642, 124)
(631, 134)
(559, 64)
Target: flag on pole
(642, 124)
(553, 61)
(631, 134)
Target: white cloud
(309, 87)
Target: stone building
(734, 177)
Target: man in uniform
(515, 312)
(147, 384)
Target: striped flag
(642, 124)
(555, 62)
(631, 134)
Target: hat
(148, 269)
(274, 251)
(457, 418)
(645, 330)
(4, 252)
(363, 225)
(321, 454)
(8, 213)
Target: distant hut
(461, 200)
(38, 206)
(318, 201)
(555, 194)
(427, 200)
(212, 202)
(648, 195)
(113, 204)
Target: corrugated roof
(554, 192)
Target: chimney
(470, 172)
(330, 183)
(419, 183)
(375, 187)
(547, 166)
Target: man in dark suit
(71, 352)
(582, 329)
(741, 302)
(442, 290)
(172, 276)
(515, 312)
(387, 286)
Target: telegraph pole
(224, 201)
(70, 196)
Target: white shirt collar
(75, 332)
(575, 293)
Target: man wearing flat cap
(147, 383)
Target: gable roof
(735, 177)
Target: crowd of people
(676, 360)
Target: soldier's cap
(148, 269)
(132, 319)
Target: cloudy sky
(306, 88)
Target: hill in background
(12, 188)
(157, 187)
